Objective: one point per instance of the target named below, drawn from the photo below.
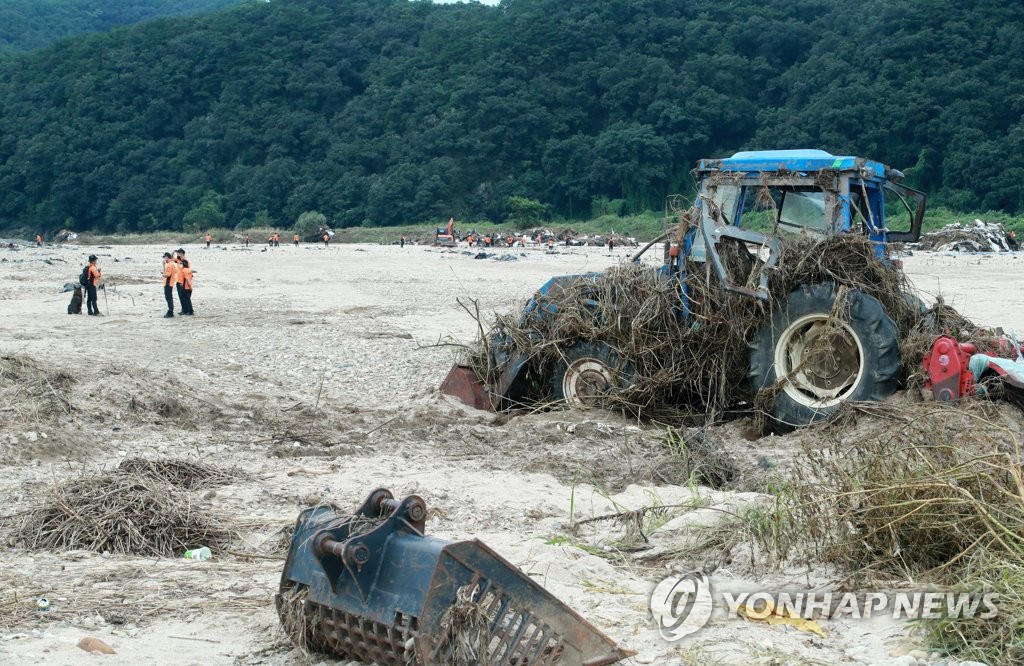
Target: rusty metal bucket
(371, 586)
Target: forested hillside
(381, 112)
(31, 24)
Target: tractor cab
(760, 198)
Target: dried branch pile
(181, 473)
(119, 512)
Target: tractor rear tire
(587, 373)
(859, 360)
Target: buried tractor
(791, 341)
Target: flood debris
(976, 236)
(123, 511)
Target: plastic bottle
(203, 553)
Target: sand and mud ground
(315, 372)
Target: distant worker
(401, 241)
(522, 241)
(611, 244)
(39, 240)
(170, 279)
(208, 239)
(326, 239)
(1011, 240)
(92, 282)
(185, 295)
(551, 243)
(487, 240)
(247, 240)
(296, 239)
(470, 239)
(277, 239)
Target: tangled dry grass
(31, 393)
(181, 473)
(928, 493)
(119, 512)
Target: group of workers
(177, 276)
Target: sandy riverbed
(327, 359)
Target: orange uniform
(170, 273)
(94, 275)
(186, 277)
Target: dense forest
(381, 112)
(31, 24)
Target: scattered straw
(181, 473)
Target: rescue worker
(170, 279)
(522, 241)
(296, 239)
(179, 280)
(92, 282)
(39, 240)
(247, 240)
(185, 295)
(401, 241)
(1011, 240)
(611, 244)
(326, 239)
(208, 239)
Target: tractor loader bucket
(370, 586)
(462, 383)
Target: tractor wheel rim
(586, 380)
(822, 358)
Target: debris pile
(121, 512)
(977, 236)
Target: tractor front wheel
(813, 355)
(587, 373)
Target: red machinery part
(946, 366)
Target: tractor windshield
(803, 210)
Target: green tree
(207, 215)
(310, 224)
(525, 213)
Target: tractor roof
(794, 160)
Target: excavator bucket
(371, 586)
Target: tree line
(33, 24)
(386, 112)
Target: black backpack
(83, 279)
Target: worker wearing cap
(92, 281)
(170, 279)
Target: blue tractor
(756, 201)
